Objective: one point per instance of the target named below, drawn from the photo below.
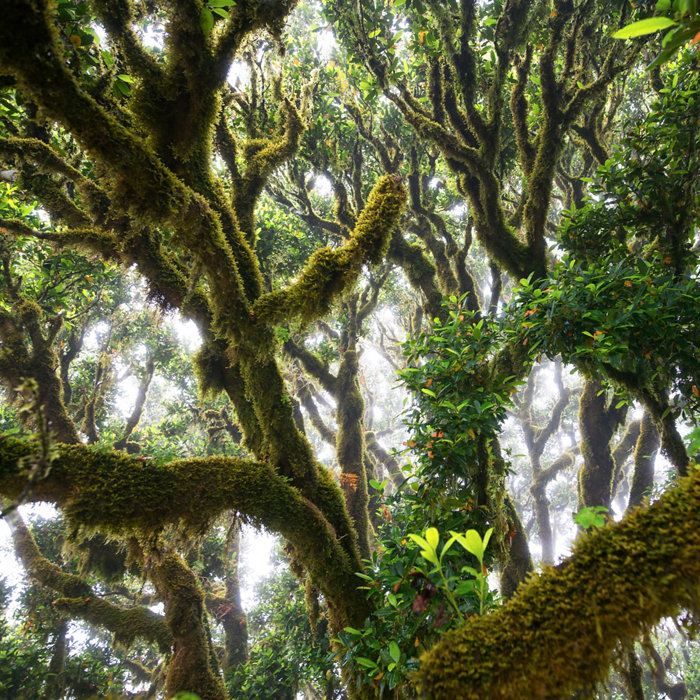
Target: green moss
(262, 157)
(329, 272)
(192, 666)
(598, 423)
(350, 447)
(127, 624)
(209, 367)
(118, 494)
(644, 457)
(561, 629)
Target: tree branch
(80, 600)
(561, 629)
(329, 272)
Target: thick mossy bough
(118, 495)
(562, 628)
(330, 272)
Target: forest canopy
(412, 286)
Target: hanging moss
(330, 272)
(560, 630)
(209, 367)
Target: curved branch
(118, 494)
(90, 240)
(329, 272)
(312, 364)
(80, 600)
(561, 629)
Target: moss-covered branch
(561, 629)
(312, 364)
(37, 360)
(307, 401)
(598, 421)
(90, 240)
(127, 624)
(40, 155)
(118, 494)
(644, 458)
(263, 156)
(193, 667)
(330, 272)
(150, 191)
(350, 447)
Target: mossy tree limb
(118, 494)
(79, 599)
(561, 629)
(350, 447)
(329, 272)
(644, 458)
(38, 362)
(598, 420)
(192, 668)
(150, 191)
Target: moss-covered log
(561, 629)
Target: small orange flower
(429, 382)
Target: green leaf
(419, 541)
(432, 536)
(126, 78)
(472, 542)
(377, 486)
(367, 663)
(206, 20)
(448, 544)
(487, 537)
(221, 3)
(643, 27)
(394, 651)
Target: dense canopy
(228, 229)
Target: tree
(117, 154)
